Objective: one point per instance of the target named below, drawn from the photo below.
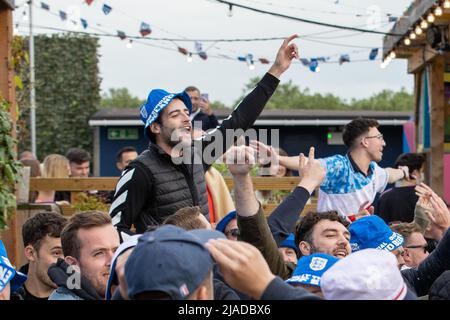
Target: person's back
(398, 204)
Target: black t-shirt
(397, 204)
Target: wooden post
(437, 108)
(7, 90)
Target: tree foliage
(67, 92)
(120, 98)
(290, 96)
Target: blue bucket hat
(225, 221)
(311, 268)
(170, 260)
(8, 273)
(157, 100)
(373, 232)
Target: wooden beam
(437, 109)
(421, 57)
(84, 184)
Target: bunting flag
(200, 52)
(249, 59)
(145, 29)
(121, 35)
(106, 9)
(84, 23)
(243, 59)
(45, 6)
(62, 15)
(264, 61)
(392, 19)
(313, 65)
(305, 62)
(322, 59)
(182, 51)
(89, 2)
(344, 58)
(373, 53)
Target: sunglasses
(233, 232)
(423, 246)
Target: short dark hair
(191, 88)
(186, 218)
(78, 155)
(70, 242)
(354, 129)
(414, 161)
(304, 229)
(40, 225)
(124, 150)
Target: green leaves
(67, 93)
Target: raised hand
(239, 160)
(286, 53)
(311, 171)
(440, 215)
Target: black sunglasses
(233, 232)
(424, 246)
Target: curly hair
(357, 127)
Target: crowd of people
(172, 235)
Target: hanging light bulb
(388, 60)
(16, 28)
(25, 15)
(383, 65)
(392, 55)
(424, 24)
(438, 11)
(412, 35)
(317, 69)
(430, 18)
(189, 58)
(446, 4)
(129, 44)
(407, 42)
(230, 10)
(418, 30)
(251, 66)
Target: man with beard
(41, 236)
(317, 232)
(355, 178)
(89, 242)
(165, 177)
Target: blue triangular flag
(392, 19)
(84, 23)
(145, 29)
(344, 58)
(373, 53)
(106, 9)
(305, 62)
(313, 65)
(243, 59)
(62, 15)
(121, 35)
(45, 6)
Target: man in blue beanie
(169, 175)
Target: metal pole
(32, 84)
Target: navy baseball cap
(225, 221)
(289, 242)
(373, 232)
(7, 272)
(311, 268)
(170, 260)
(157, 100)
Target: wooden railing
(77, 185)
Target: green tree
(290, 96)
(120, 98)
(67, 92)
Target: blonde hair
(55, 166)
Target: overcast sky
(144, 67)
